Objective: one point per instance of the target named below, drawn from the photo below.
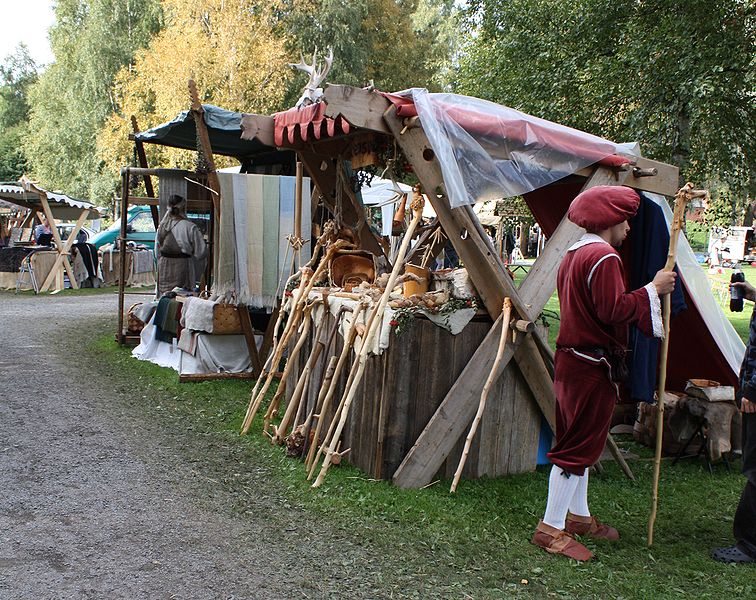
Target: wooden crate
(402, 389)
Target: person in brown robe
(181, 248)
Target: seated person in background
(43, 233)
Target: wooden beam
(142, 157)
(260, 128)
(361, 108)
(200, 377)
(125, 174)
(325, 180)
(207, 149)
(249, 338)
(458, 407)
(665, 182)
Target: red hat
(603, 206)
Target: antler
(317, 75)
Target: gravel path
(97, 501)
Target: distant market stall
(245, 217)
(46, 265)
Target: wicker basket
(226, 319)
(133, 323)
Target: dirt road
(96, 501)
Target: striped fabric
(257, 214)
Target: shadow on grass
(474, 543)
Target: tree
(675, 75)
(394, 43)
(17, 73)
(234, 51)
(91, 41)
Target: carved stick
(376, 320)
(304, 332)
(507, 312)
(257, 396)
(326, 402)
(683, 196)
(296, 397)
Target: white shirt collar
(588, 238)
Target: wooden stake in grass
(367, 341)
(490, 381)
(683, 196)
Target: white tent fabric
(721, 329)
(380, 191)
(61, 205)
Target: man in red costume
(589, 362)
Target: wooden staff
(684, 195)
(376, 320)
(325, 382)
(325, 404)
(360, 331)
(304, 376)
(258, 395)
(290, 361)
(291, 325)
(507, 312)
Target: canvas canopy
(224, 129)
(63, 207)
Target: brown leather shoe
(591, 527)
(557, 541)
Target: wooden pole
(204, 139)
(299, 391)
(142, 158)
(376, 320)
(325, 404)
(683, 196)
(492, 377)
(122, 247)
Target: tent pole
(125, 175)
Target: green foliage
(675, 75)
(17, 73)
(91, 41)
(396, 44)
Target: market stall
(58, 259)
(461, 151)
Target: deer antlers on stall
(312, 93)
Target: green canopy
(224, 129)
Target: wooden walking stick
(304, 331)
(325, 404)
(279, 432)
(303, 291)
(375, 323)
(684, 195)
(507, 312)
(257, 395)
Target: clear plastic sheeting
(489, 151)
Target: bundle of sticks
(302, 429)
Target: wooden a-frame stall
(29, 195)
(191, 131)
(350, 120)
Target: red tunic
(595, 313)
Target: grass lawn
(475, 543)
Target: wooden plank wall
(402, 389)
